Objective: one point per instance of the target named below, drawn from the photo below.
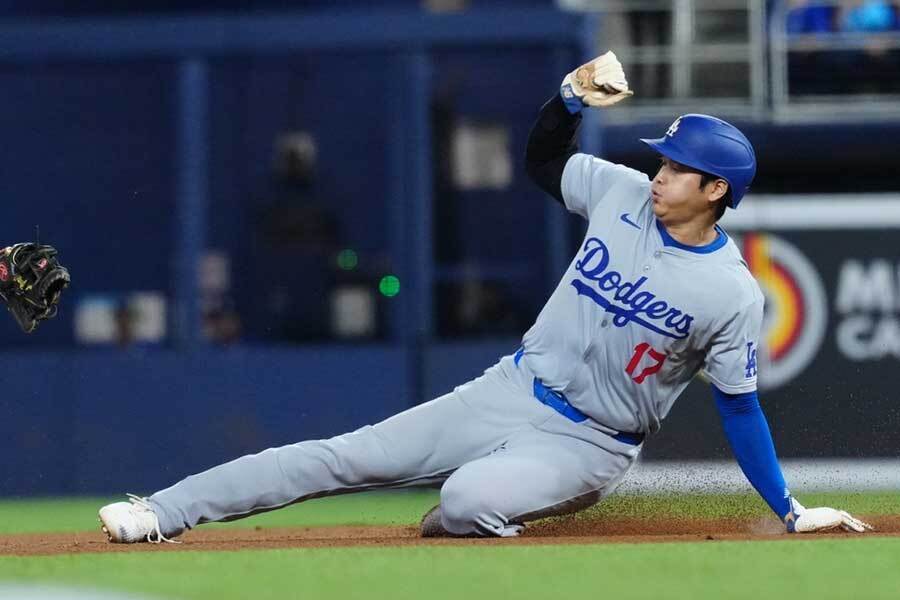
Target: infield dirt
(573, 530)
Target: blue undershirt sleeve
(751, 442)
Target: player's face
(677, 195)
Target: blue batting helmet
(713, 146)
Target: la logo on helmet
(673, 127)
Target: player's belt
(558, 402)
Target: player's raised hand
(811, 520)
(600, 82)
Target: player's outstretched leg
(381, 456)
(420, 446)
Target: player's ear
(716, 190)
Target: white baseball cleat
(131, 522)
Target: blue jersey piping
(668, 240)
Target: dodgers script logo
(625, 299)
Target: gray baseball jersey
(637, 314)
(634, 319)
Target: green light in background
(389, 286)
(347, 259)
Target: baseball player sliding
(554, 427)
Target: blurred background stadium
(285, 219)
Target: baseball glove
(600, 82)
(31, 280)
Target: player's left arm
(751, 442)
(732, 368)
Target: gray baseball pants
(502, 456)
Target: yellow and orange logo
(796, 308)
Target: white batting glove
(811, 520)
(600, 82)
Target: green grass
(806, 569)
(814, 568)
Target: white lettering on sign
(863, 338)
(861, 288)
(868, 300)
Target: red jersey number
(640, 351)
